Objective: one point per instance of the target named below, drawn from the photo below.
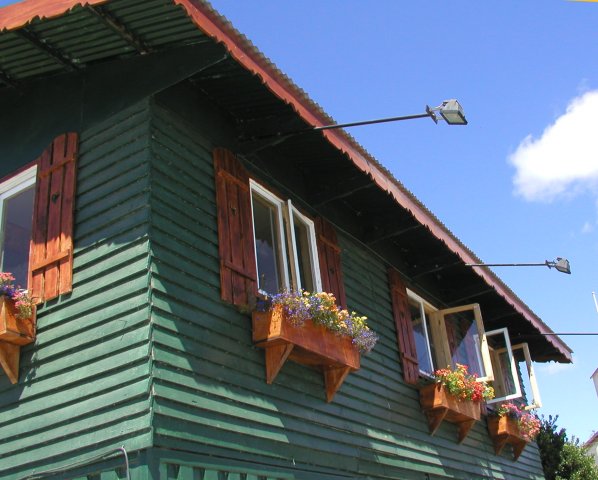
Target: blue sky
(520, 182)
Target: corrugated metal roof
(41, 38)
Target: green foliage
(563, 459)
(551, 443)
(576, 464)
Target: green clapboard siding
(84, 384)
(211, 398)
(144, 354)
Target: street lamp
(450, 111)
(560, 264)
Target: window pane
(464, 341)
(304, 249)
(506, 387)
(422, 344)
(506, 378)
(527, 391)
(16, 229)
(267, 247)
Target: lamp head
(561, 264)
(452, 112)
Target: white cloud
(564, 160)
(553, 368)
(587, 227)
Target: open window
(304, 262)
(449, 336)
(514, 376)
(285, 244)
(421, 312)
(462, 339)
(430, 338)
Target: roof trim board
(20, 14)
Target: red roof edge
(20, 14)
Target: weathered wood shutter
(51, 249)
(329, 254)
(405, 336)
(238, 277)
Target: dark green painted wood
(85, 383)
(210, 397)
(143, 352)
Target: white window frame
(533, 382)
(423, 305)
(439, 335)
(8, 189)
(277, 203)
(313, 252)
(511, 358)
(285, 212)
(443, 348)
(440, 338)
(536, 401)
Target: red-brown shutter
(329, 254)
(238, 277)
(51, 250)
(405, 337)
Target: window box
(15, 330)
(14, 333)
(503, 430)
(439, 405)
(309, 344)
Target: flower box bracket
(438, 406)
(504, 430)
(308, 344)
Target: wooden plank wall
(84, 383)
(211, 399)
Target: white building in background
(592, 446)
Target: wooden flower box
(12, 329)
(505, 430)
(439, 405)
(14, 332)
(309, 344)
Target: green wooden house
(144, 139)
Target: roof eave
(212, 24)
(243, 52)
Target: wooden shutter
(238, 277)
(329, 254)
(405, 337)
(51, 250)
